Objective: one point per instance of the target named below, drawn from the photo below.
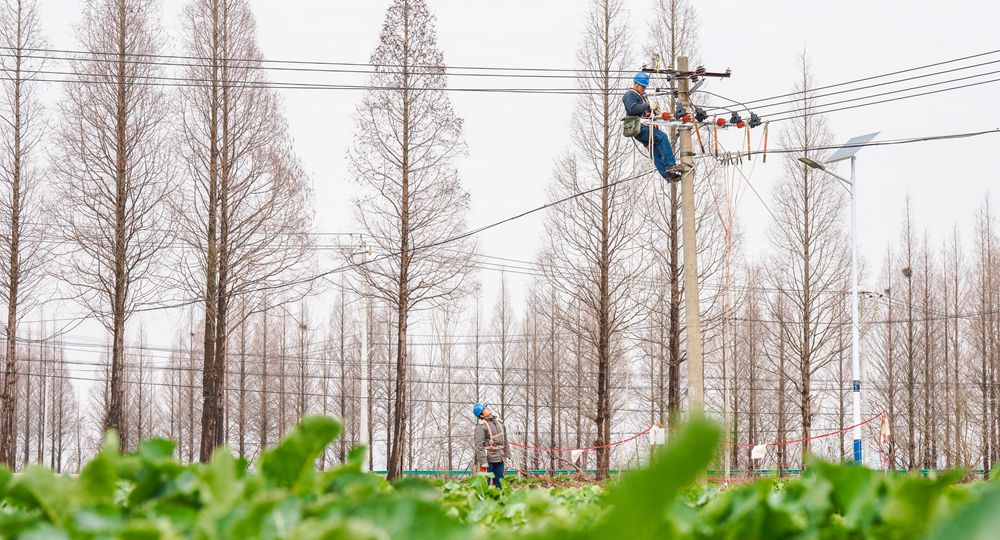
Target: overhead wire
(100, 56)
(872, 77)
(876, 143)
(821, 108)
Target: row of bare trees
(163, 196)
(192, 198)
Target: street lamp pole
(849, 151)
(855, 321)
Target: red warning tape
(616, 443)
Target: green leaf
(157, 451)
(221, 478)
(403, 518)
(44, 532)
(100, 476)
(291, 464)
(914, 502)
(417, 487)
(855, 491)
(639, 501)
(38, 488)
(979, 520)
(5, 479)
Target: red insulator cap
(720, 122)
(686, 118)
(666, 115)
(740, 124)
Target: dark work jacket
(487, 450)
(636, 104)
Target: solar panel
(851, 147)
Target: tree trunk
(209, 371)
(674, 393)
(8, 397)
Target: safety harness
(492, 436)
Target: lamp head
(813, 163)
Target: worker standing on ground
(637, 104)
(490, 443)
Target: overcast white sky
(513, 139)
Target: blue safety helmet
(641, 78)
(477, 409)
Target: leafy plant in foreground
(148, 495)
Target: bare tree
(984, 330)
(955, 292)
(115, 173)
(504, 328)
(910, 348)
(184, 378)
(447, 368)
(533, 344)
(553, 367)
(22, 251)
(886, 357)
(283, 395)
(809, 250)
(64, 413)
(247, 206)
(780, 353)
(304, 374)
(242, 395)
(592, 251)
(407, 139)
(477, 347)
(930, 356)
(751, 339)
(344, 360)
(140, 395)
(675, 34)
(266, 409)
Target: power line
(873, 77)
(879, 102)
(828, 104)
(113, 57)
(178, 82)
(323, 63)
(891, 142)
(130, 59)
(574, 73)
(868, 87)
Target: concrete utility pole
(692, 314)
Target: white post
(855, 323)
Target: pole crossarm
(686, 74)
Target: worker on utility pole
(637, 105)
(490, 443)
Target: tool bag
(631, 126)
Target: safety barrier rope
(608, 445)
(812, 438)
